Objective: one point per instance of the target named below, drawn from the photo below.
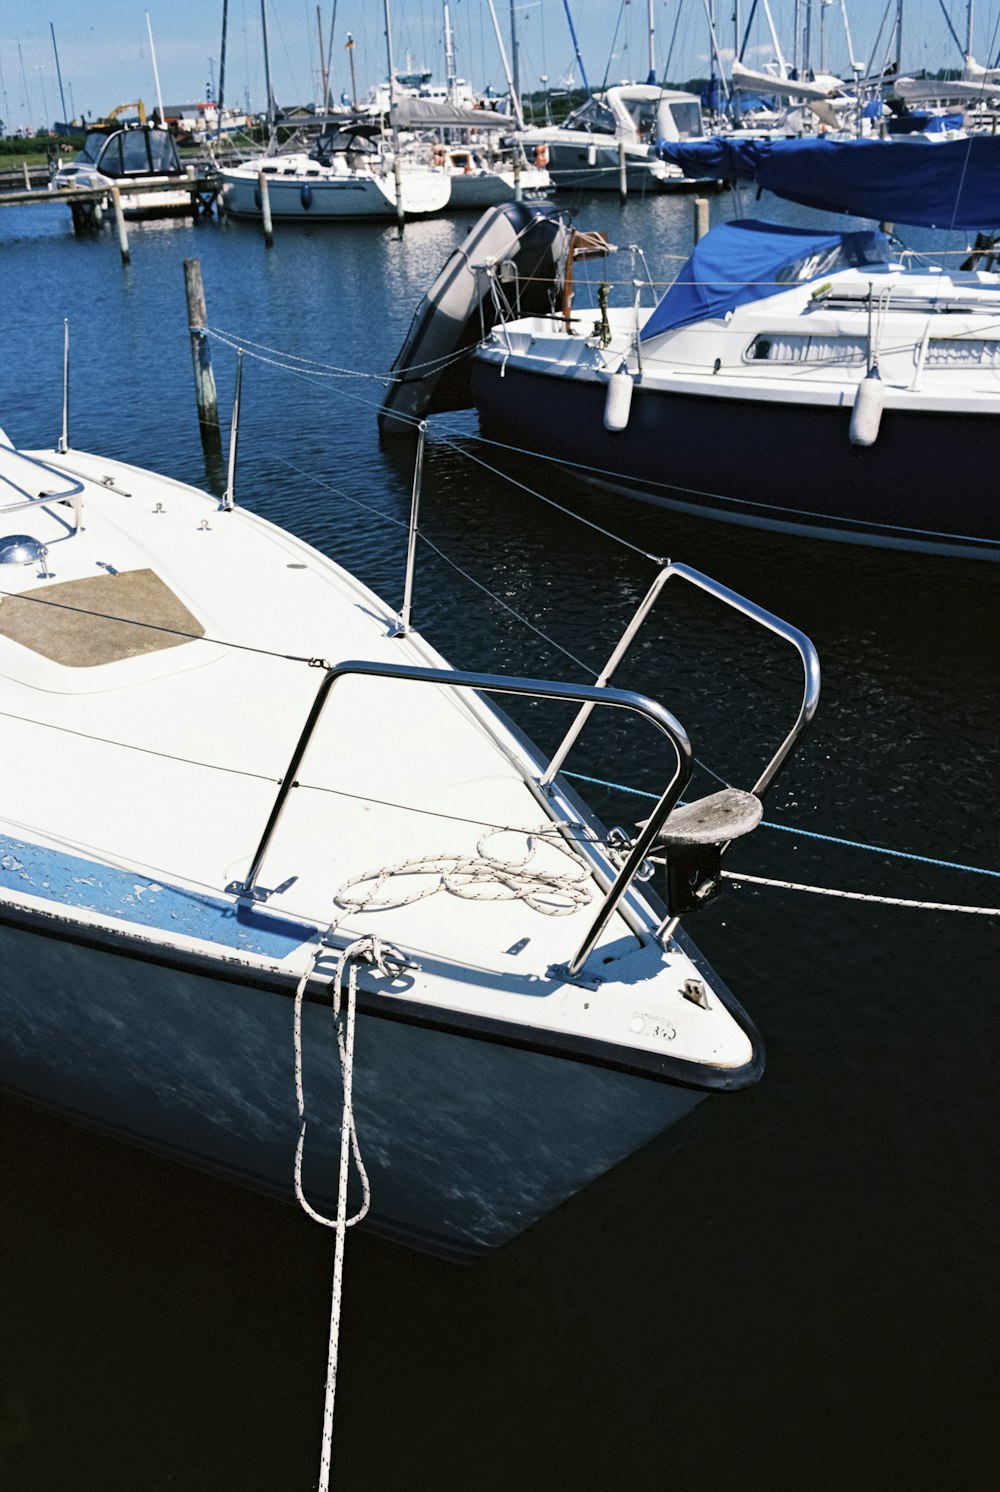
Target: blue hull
(467, 1141)
(923, 485)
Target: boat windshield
(92, 147)
(335, 141)
(138, 152)
(592, 116)
(686, 120)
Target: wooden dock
(201, 184)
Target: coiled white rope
(885, 901)
(487, 876)
(389, 962)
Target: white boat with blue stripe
(234, 775)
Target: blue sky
(104, 52)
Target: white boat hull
(328, 197)
(466, 1142)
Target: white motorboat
(140, 159)
(802, 380)
(346, 174)
(232, 773)
(585, 150)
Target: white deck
(167, 764)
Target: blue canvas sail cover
(737, 263)
(954, 184)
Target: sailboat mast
(267, 68)
(515, 102)
(968, 30)
(389, 56)
(515, 68)
(222, 67)
(576, 48)
(156, 71)
(449, 55)
(652, 44)
(62, 96)
(322, 60)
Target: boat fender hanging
(866, 416)
(592, 155)
(541, 156)
(306, 195)
(618, 402)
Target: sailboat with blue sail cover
(807, 380)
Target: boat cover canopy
(954, 184)
(431, 113)
(736, 263)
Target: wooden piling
(397, 176)
(265, 211)
(700, 218)
(201, 357)
(27, 178)
(622, 172)
(121, 230)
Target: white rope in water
(885, 901)
(389, 962)
(483, 877)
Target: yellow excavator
(110, 118)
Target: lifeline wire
(853, 844)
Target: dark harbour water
(794, 1289)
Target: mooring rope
(484, 876)
(389, 962)
(885, 901)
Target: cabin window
(687, 120)
(789, 347)
(965, 352)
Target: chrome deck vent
(21, 549)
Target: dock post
(201, 357)
(265, 211)
(122, 231)
(700, 218)
(27, 178)
(622, 172)
(397, 176)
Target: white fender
(618, 403)
(866, 416)
(591, 155)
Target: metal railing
(44, 499)
(801, 643)
(586, 694)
